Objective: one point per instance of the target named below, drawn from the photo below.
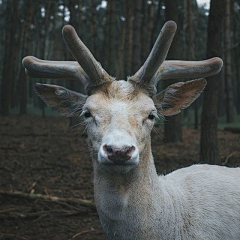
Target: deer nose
(118, 155)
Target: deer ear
(178, 96)
(67, 102)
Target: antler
(156, 68)
(156, 57)
(37, 68)
(91, 74)
(84, 57)
(87, 69)
(188, 69)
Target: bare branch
(78, 201)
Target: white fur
(210, 201)
(199, 202)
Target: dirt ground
(44, 156)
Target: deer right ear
(67, 102)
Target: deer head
(120, 114)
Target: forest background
(121, 34)
(43, 153)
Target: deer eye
(151, 116)
(87, 114)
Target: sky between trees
(207, 2)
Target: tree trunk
(112, 38)
(196, 57)
(121, 50)
(65, 51)
(94, 47)
(25, 51)
(129, 37)
(190, 46)
(209, 135)
(16, 65)
(151, 26)
(237, 64)
(37, 50)
(137, 37)
(80, 18)
(191, 55)
(173, 128)
(236, 53)
(185, 29)
(228, 68)
(144, 29)
(158, 19)
(10, 56)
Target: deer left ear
(67, 102)
(178, 96)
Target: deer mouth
(111, 164)
(118, 167)
(119, 162)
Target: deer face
(120, 114)
(119, 122)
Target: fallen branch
(228, 157)
(74, 201)
(83, 232)
(7, 210)
(38, 215)
(12, 236)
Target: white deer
(198, 202)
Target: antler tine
(188, 69)
(96, 73)
(156, 57)
(37, 68)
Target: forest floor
(44, 156)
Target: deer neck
(133, 196)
